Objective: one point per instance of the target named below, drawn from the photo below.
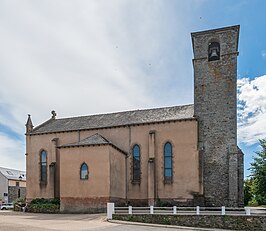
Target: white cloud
(86, 57)
(252, 109)
(263, 53)
(81, 57)
(12, 153)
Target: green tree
(258, 174)
(248, 192)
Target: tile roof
(116, 119)
(95, 139)
(12, 174)
(91, 140)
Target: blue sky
(86, 57)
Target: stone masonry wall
(13, 193)
(246, 223)
(215, 108)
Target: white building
(12, 184)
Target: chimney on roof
(29, 125)
(53, 114)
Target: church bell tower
(215, 106)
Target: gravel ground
(18, 221)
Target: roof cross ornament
(53, 114)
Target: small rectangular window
(17, 183)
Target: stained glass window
(84, 172)
(43, 166)
(168, 165)
(136, 163)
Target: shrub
(20, 201)
(40, 201)
(42, 205)
(19, 204)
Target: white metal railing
(111, 209)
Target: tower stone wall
(215, 76)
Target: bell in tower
(214, 51)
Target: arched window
(43, 166)
(136, 163)
(168, 165)
(214, 51)
(84, 172)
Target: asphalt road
(16, 221)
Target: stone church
(181, 155)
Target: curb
(164, 226)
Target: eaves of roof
(92, 145)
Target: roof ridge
(108, 141)
(4, 168)
(117, 112)
(87, 138)
(104, 142)
(95, 134)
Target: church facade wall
(34, 145)
(92, 192)
(181, 134)
(117, 176)
(183, 137)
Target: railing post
(129, 209)
(174, 209)
(198, 210)
(223, 210)
(110, 210)
(248, 211)
(151, 209)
